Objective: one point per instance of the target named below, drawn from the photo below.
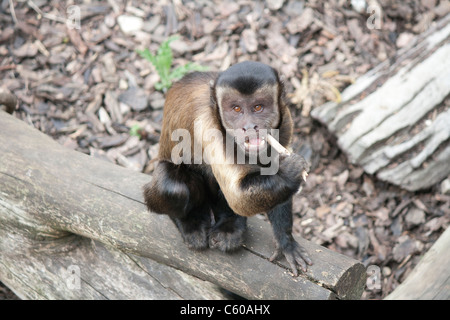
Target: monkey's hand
(295, 255)
(292, 169)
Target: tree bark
(430, 279)
(394, 121)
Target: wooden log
(394, 121)
(74, 267)
(55, 200)
(430, 279)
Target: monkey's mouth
(252, 143)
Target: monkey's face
(248, 118)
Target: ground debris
(87, 88)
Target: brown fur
(189, 100)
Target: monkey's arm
(281, 220)
(273, 194)
(255, 193)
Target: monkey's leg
(281, 220)
(179, 192)
(195, 226)
(227, 233)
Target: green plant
(135, 130)
(163, 63)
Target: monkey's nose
(249, 127)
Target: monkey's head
(248, 98)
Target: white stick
(277, 146)
(282, 150)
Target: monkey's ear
(212, 94)
(281, 89)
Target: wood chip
(75, 38)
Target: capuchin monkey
(209, 198)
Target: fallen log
(394, 121)
(66, 216)
(430, 279)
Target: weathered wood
(394, 121)
(430, 279)
(50, 195)
(73, 267)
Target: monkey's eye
(258, 108)
(237, 108)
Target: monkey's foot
(226, 241)
(195, 236)
(295, 255)
(227, 235)
(197, 240)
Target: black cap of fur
(247, 77)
